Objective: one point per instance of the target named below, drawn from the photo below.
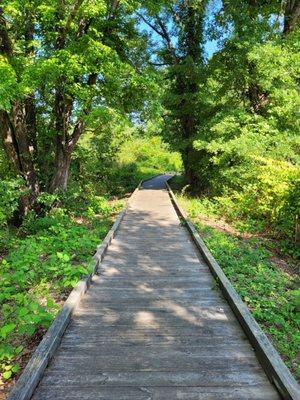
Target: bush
(10, 193)
(141, 158)
(39, 271)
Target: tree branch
(157, 64)
(73, 14)
(80, 124)
(63, 31)
(168, 40)
(153, 27)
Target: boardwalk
(153, 325)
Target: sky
(211, 46)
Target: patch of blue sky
(211, 45)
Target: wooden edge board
(274, 367)
(33, 372)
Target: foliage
(248, 148)
(250, 164)
(119, 157)
(271, 293)
(65, 68)
(142, 158)
(40, 269)
(10, 192)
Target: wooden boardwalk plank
(153, 325)
(254, 392)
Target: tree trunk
(63, 154)
(190, 176)
(30, 101)
(61, 169)
(9, 140)
(14, 137)
(17, 130)
(25, 152)
(291, 16)
(258, 98)
(187, 86)
(64, 142)
(188, 158)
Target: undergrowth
(142, 158)
(41, 262)
(267, 284)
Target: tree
(15, 128)
(247, 140)
(59, 62)
(179, 26)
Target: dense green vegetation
(96, 95)
(269, 285)
(42, 260)
(235, 116)
(142, 158)
(38, 272)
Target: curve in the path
(158, 182)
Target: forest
(96, 95)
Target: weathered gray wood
(144, 363)
(272, 363)
(205, 378)
(208, 348)
(253, 392)
(121, 332)
(153, 325)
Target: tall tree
(179, 26)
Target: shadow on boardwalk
(153, 324)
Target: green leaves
(9, 370)
(62, 257)
(6, 329)
(8, 84)
(270, 292)
(41, 268)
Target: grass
(268, 284)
